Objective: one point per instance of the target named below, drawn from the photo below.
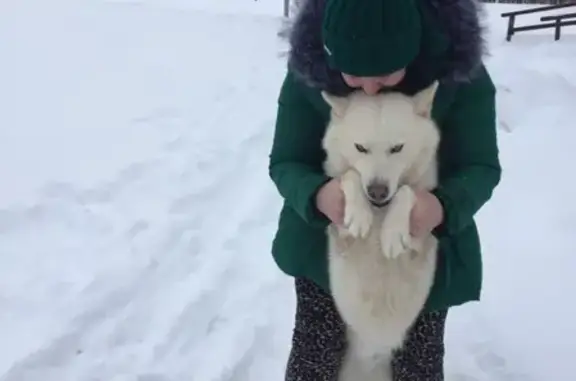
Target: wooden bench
(558, 21)
(512, 19)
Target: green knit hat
(371, 37)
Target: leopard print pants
(319, 344)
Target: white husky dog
(381, 147)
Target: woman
(342, 46)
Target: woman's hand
(426, 214)
(330, 201)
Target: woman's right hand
(330, 201)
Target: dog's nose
(378, 192)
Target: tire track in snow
(205, 316)
(109, 318)
(200, 273)
(254, 336)
(206, 281)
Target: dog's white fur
(380, 275)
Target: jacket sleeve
(470, 133)
(295, 161)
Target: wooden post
(510, 31)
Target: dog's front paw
(358, 214)
(395, 236)
(357, 218)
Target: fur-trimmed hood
(460, 20)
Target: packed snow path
(136, 213)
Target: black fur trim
(462, 22)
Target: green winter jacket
(469, 167)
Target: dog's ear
(338, 104)
(424, 100)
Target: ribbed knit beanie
(371, 37)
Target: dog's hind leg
(386, 368)
(358, 365)
(351, 369)
(356, 369)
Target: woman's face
(371, 85)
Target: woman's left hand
(426, 214)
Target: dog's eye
(397, 148)
(361, 148)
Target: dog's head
(388, 138)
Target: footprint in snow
(492, 367)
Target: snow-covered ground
(131, 131)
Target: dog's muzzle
(378, 194)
